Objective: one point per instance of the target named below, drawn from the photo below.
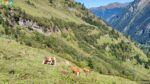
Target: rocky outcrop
(26, 23)
(35, 26)
(10, 16)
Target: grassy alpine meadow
(42, 8)
(68, 31)
(18, 67)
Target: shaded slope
(135, 21)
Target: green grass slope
(84, 40)
(42, 8)
(18, 67)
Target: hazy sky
(96, 3)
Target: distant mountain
(109, 11)
(135, 21)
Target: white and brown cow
(49, 60)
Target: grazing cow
(86, 71)
(75, 70)
(50, 60)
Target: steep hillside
(135, 21)
(109, 11)
(77, 36)
(19, 67)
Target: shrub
(30, 3)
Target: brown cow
(86, 71)
(50, 60)
(75, 70)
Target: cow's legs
(50, 62)
(77, 73)
(43, 62)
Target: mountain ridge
(112, 5)
(109, 11)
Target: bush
(30, 3)
(51, 1)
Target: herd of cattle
(52, 61)
(75, 70)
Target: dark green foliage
(114, 34)
(70, 3)
(147, 64)
(121, 51)
(51, 1)
(137, 57)
(30, 3)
